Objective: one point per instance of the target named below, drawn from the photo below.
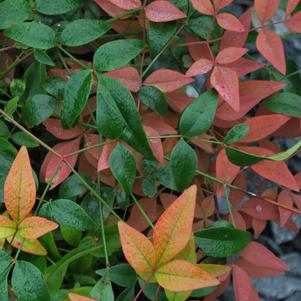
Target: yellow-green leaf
(7, 227)
(215, 269)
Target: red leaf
(178, 100)
(155, 144)
(271, 47)
(53, 164)
(199, 51)
(129, 76)
(263, 126)
(244, 66)
(127, 4)
(225, 81)
(219, 4)
(163, 11)
(285, 198)
(294, 23)
(154, 120)
(167, 80)
(290, 6)
(104, 162)
(266, 9)
(229, 22)
(230, 55)
(258, 226)
(237, 39)
(259, 255)
(110, 8)
(204, 7)
(54, 127)
(241, 284)
(200, 67)
(225, 171)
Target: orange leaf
(20, 187)
(138, 250)
(241, 284)
(129, 76)
(76, 297)
(181, 275)
(229, 22)
(200, 67)
(7, 227)
(259, 255)
(294, 23)
(167, 80)
(271, 47)
(204, 7)
(126, 4)
(225, 81)
(230, 55)
(34, 227)
(163, 11)
(266, 9)
(174, 227)
(263, 126)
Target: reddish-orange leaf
(285, 198)
(163, 11)
(154, 120)
(174, 227)
(294, 23)
(54, 127)
(263, 126)
(167, 80)
(127, 4)
(229, 22)
(204, 7)
(219, 4)
(155, 144)
(207, 207)
(230, 55)
(244, 66)
(271, 47)
(237, 39)
(7, 227)
(54, 168)
(34, 227)
(260, 209)
(259, 255)
(224, 170)
(241, 284)
(225, 81)
(104, 159)
(200, 67)
(220, 290)
(110, 8)
(258, 226)
(290, 6)
(129, 76)
(76, 297)
(181, 275)
(266, 9)
(20, 187)
(199, 51)
(137, 249)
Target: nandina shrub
(140, 146)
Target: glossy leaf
(57, 7)
(176, 219)
(237, 133)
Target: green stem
(74, 58)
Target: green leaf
(198, 117)
(285, 103)
(11, 106)
(116, 54)
(183, 164)
(4, 131)
(286, 154)
(73, 186)
(117, 115)
(241, 158)
(71, 236)
(127, 295)
(103, 289)
(69, 214)
(237, 133)
(42, 57)
(77, 92)
(57, 7)
(222, 240)
(21, 138)
(13, 12)
(28, 283)
(123, 167)
(154, 99)
(17, 87)
(55, 86)
(121, 274)
(7, 147)
(179, 296)
(38, 108)
(151, 291)
(5, 267)
(83, 31)
(32, 34)
(202, 292)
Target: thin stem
(229, 205)
(142, 211)
(126, 14)
(74, 58)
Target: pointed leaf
(215, 269)
(200, 67)
(137, 249)
(230, 55)
(127, 4)
(204, 7)
(286, 199)
(176, 219)
(34, 226)
(290, 6)
(266, 9)
(271, 47)
(241, 284)
(57, 7)
(20, 187)
(219, 4)
(229, 22)
(181, 275)
(163, 11)
(7, 227)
